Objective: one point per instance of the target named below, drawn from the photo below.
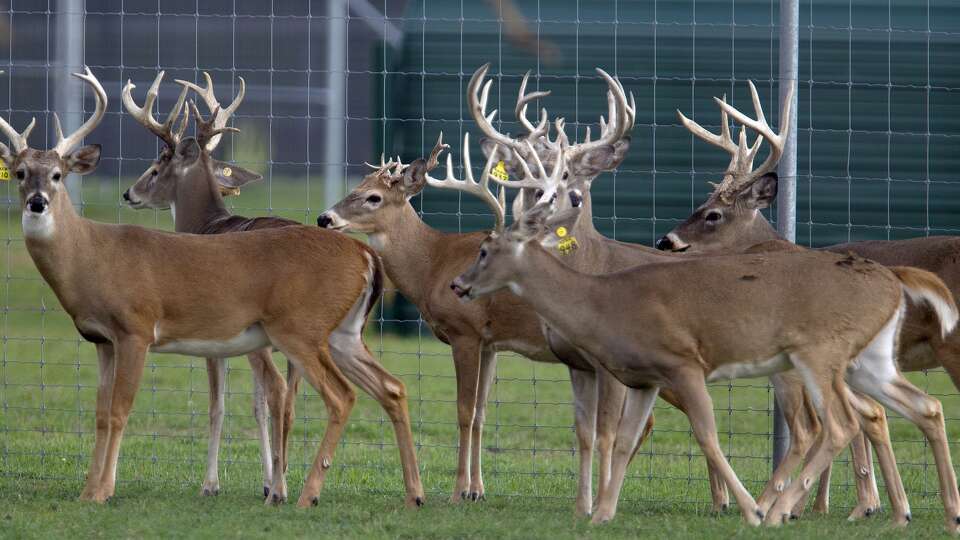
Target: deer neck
(60, 252)
(406, 245)
(198, 202)
(759, 230)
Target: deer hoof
(266, 491)
(315, 501)
(419, 501)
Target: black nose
(324, 221)
(37, 204)
(664, 243)
(126, 195)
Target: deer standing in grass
(832, 318)
(131, 290)
(202, 211)
(730, 221)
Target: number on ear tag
(500, 172)
(567, 245)
(4, 171)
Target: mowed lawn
(47, 389)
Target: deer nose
(37, 204)
(126, 195)
(664, 243)
(324, 221)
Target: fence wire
(877, 135)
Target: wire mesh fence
(877, 136)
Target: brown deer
(199, 198)
(651, 330)
(131, 290)
(730, 221)
(421, 261)
(557, 192)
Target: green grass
(47, 388)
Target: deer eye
(483, 253)
(56, 177)
(713, 217)
(20, 174)
(538, 193)
(374, 199)
(565, 175)
(153, 172)
(575, 199)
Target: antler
(740, 172)
(17, 140)
(144, 115)
(206, 129)
(220, 116)
(66, 144)
(469, 185)
(520, 111)
(477, 100)
(620, 114)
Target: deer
(421, 261)
(132, 290)
(599, 254)
(199, 196)
(731, 221)
(651, 331)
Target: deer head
(157, 186)
(373, 206)
(40, 173)
(501, 255)
(731, 215)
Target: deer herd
(721, 297)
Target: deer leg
(839, 425)
(282, 443)
(105, 375)
(585, 423)
(359, 366)
(874, 421)
(466, 358)
(217, 379)
(130, 356)
(488, 369)
(636, 408)
(269, 394)
(690, 386)
(718, 490)
(611, 396)
(804, 428)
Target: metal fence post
(787, 170)
(335, 132)
(68, 100)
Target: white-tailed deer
(651, 329)
(421, 262)
(131, 290)
(730, 221)
(555, 191)
(202, 211)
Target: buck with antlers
(730, 221)
(421, 261)
(682, 345)
(303, 290)
(195, 198)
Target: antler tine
(619, 123)
(17, 140)
(144, 115)
(220, 115)
(477, 94)
(762, 128)
(65, 145)
(524, 99)
(438, 149)
(479, 188)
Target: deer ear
(231, 177)
(558, 230)
(6, 155)
(188, 151)
(84, 160)
(508, 156)
(761, 193)
(604, 158)
(414, 178)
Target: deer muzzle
(37, 203)
(461, 289)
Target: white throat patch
(38, 226)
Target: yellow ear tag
(4, 171)
(568, 245)
(561, 231)
(500, 172)
(227, 171)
